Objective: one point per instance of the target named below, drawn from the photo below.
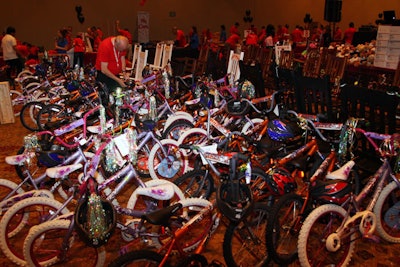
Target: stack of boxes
(387, 51)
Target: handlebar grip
(185, 146)
(240, 156)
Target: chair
(266, 61)
(167, 55)
(233, 70)
(311, 67)
(158, 56)
(376, 106)
(136, 49)
(140, 64)
(313, 96)
(202, 60)
(396, 79)
(252, 72)
(335, 70)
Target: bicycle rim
(316, 230)
(244, 243)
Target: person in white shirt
(11, 54)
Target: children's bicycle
(328, 235)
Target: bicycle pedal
(373, 238)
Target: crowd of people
(266, 36)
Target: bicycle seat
(160, 192)
(161, 216)
(19, 159)
(342, 173)
(62, 171)
(96, 129)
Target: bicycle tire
(196, 183)
(167, 167)
(279, 233)
(239, 248)
(51, 234)
(132, 258)
(29, 113)
(51, 113)
(194, 136)
(312, 248)
(386, 210)
(176, 128)
(13, 226)
(6, 187)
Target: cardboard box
(6, 108)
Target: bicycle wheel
(15, 224)
(387, 213)
(170, 165)
(244, 243)
(196, 183)
(44, 245)
(29, 114)
(6, 187)
(176, 129)
(51, 115)
(137, 258)
(281, 234)
(316, 236)
(194, 136)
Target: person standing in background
(79, 50)
(349, 34)
(234, 29)
(11, 54)
(337, 36)
(180, 38)
(222, 34)
(61, 43)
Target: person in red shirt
(110, 62)
(251, 38)
(180, 38)
(234, 29)
(125, 32)
(232, 41)
(337, 36)
(282, 33)
(297, 35)
(349, 34)
(79, 50)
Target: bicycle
(243, 237)
(198, 227)
(332, 230)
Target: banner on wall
(143, 27)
